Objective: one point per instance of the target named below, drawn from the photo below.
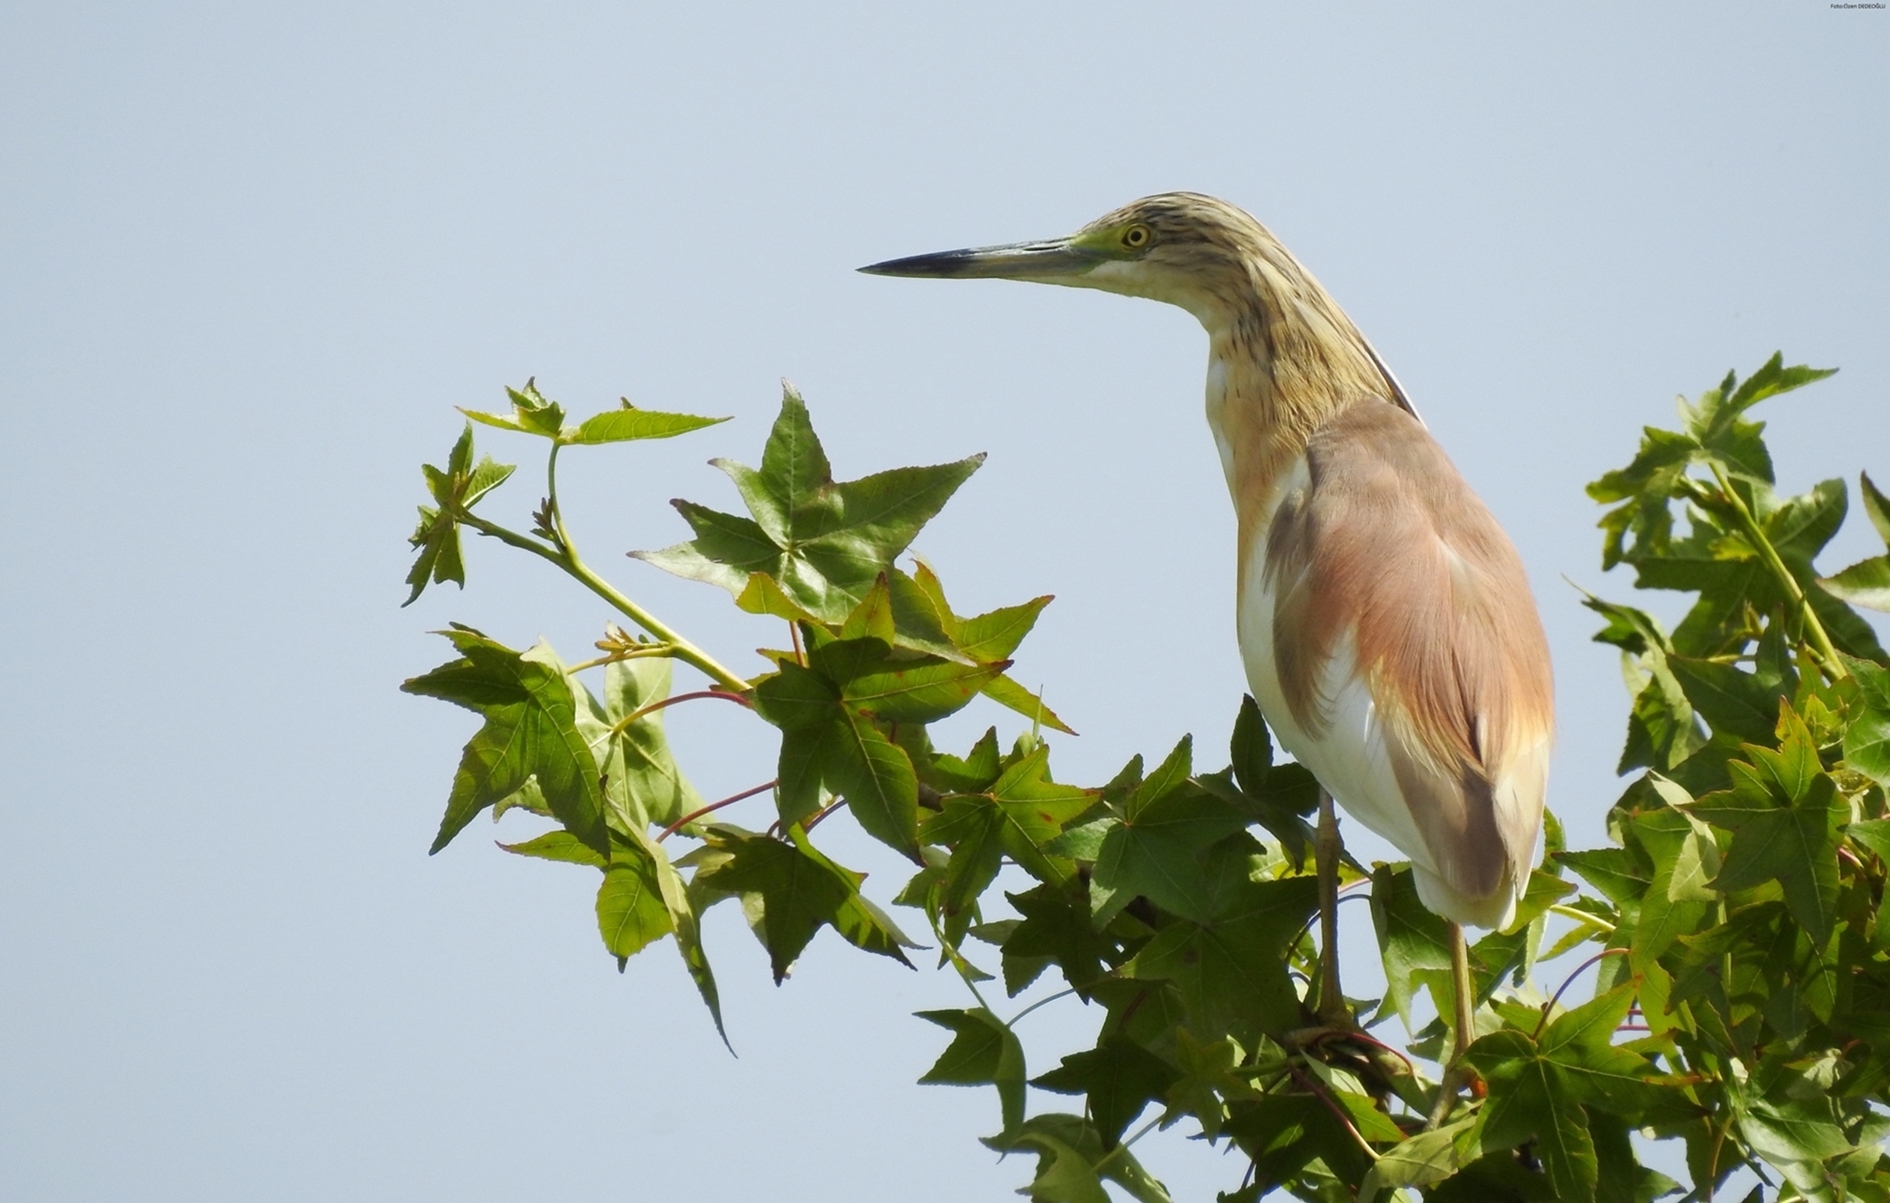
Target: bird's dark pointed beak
(1055, 260)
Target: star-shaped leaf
(1072, 1163)
(824, 543)
(1119, 1077)
(631, 912)
(455, 491)
(1231, 969)
(799, 891)
(982, 1052)
(532, 413)
(530, 734)
(1867, 733)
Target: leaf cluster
(1743, 969)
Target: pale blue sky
(251, 256)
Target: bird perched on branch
(1387, 628)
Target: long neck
(1283, 359)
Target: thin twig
(1569, 981)
(1042, 1002)
(1111, 1155)
(693, 815)
(1594, 921)
(822, 813)
(628, 653)
(1332, 1105)
(623, 724)
(1820, 639)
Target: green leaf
(1876, 505)
(1613, 871)
(1871, 834)
(629, 422)
(682, 920)
(1057, 925)
(983, 1052)
(1158, 855)
(530, 732)
(798, 892)
(531, 413)
(825, 543)
(1775, 378)
(1072, 1164)
(1231, 970)
(455, 491)
(1207, 1078)
(1019, 815)
(1012, 696)
(1119, 1078)
(1410, 938)
(1794, 844)
(638, 765)
(994, 636)
(1284, 1132)
(875, 777)
(1252, 749)
(559, 846)
(1531, 1098)
(631, 912)
(1865, 583)
(1735, 702)
(917, 691)
(1420, 1161)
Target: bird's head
(1179, 247)
(1214, 260)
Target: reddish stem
(693, 815)
(724, 694)
(1338, 1112)
(1569, 981)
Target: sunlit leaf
(530, 732)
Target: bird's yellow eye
(1136, 237)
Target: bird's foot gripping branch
(1742, 967)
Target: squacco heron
(1384, 618)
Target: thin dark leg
(1465, 991)
(1464, 1026)
(1332, 1008)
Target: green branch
(1814, 629)
(566, 559)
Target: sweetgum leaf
(455, 491)
(559, 846)
(530, 732)
(1794, 844)
(1424, 1159)
(629, 422)
(1231, 970)
(1736, 702)
(1530, 1097)
(1012, 696)
(823, 542)
(1057, 925)
(631, 912)
(1410, 938)
(637, 758)
(799, 892)
(1876, 506)
(1865, 583)
(1283, 1133)
(1157, 854)
(1072, 1163)
(982, 1052)
(1119, 1078)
